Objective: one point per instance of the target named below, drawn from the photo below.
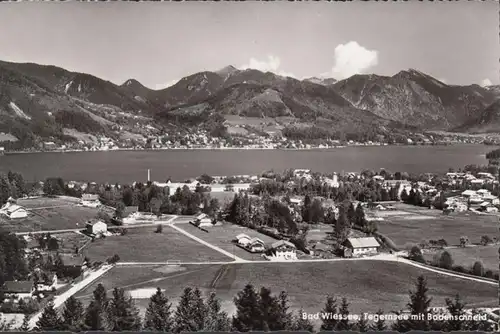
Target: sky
(158, 43)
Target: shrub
(445, 260)
(478, 269)
(159, 228)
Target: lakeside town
(71, 233)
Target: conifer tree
(328, 322)
(248, 314)
(478, 325)
(285, 317)
(361, 325)
(418, 305)
(49, 320)
(158, 315)
(121, 312)
(186, 316)
(95, 313)
(72, 315)
(379, 325)
(343, 324)
(217, 320)
(301, 323)
(269, 311)
(456, 308)
(200, 309)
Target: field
(50, 214)
(68, 241)
(466, 257)
(418, 224)
(367, 285)
(144, 245)
(221, 236)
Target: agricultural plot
(487, 255)
(407, 231)
(222, 237)
(145, 245)
(370, 285)
(69, 241)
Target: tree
(190, 314)
(301, 322)
(248, 314)
(343, 324)
(342, 227)
(72, 314)
(478, 325)
(285, 317)
(268, 305)
(329, 323)
(53, 186)
(379, 324)
(360, 218)
(464, 241)
(361, 325)
(121, 312)
(456, 308)
(93, 318)
(158, 315)
(485, 240)
(415, 254)
(418, 305)
(217, 320)
(159, 228)
(478, 269)
(445, 260)
(49, 320)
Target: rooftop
(367, 242)
(17, 286)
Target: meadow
(368, 285)
(487, 255)
(145, 245)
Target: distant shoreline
(225, 149)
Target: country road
(60, 299)
(173, 220)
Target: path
(380, 257)
(203, 242)
(60, 299)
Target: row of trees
(256, 310)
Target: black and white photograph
(249, 166)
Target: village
(71, 242)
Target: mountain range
(39, 102)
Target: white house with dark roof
(283, 250)
(361, 246)
(243, 239)
(13, 211)
(16, 290)
(90, 200)
(256, 245)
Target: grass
(144, 245)
(488, 255)
(222, 236)
(368, 286)
(404, 231)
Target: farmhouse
(255, 245)
(283, 250)
(47, 285)
(15, 290)
(487, 207)
(96, 227)
(90, 200)
(243, 239)
(13, 211)
(360, 246)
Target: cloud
(272, 64)
(486, 82)
(352, 58)
(166, 84)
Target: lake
(128, 166)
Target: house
(243, 239)
(90, 200)
(487, 207)
(13, 211)
(48, 285)
(296, 201)
(96, 227)
(283, 250)
(378, 178)
(492, 199)
(203, 220)
(15, 290)
(361, 246)
(256, 245)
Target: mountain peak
(227, 71)
(131, 82)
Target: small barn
(256, 245)
(13, 211)
(90, 200)
(355, 247)
(243, 239)
(96, 227)
(202, 220)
